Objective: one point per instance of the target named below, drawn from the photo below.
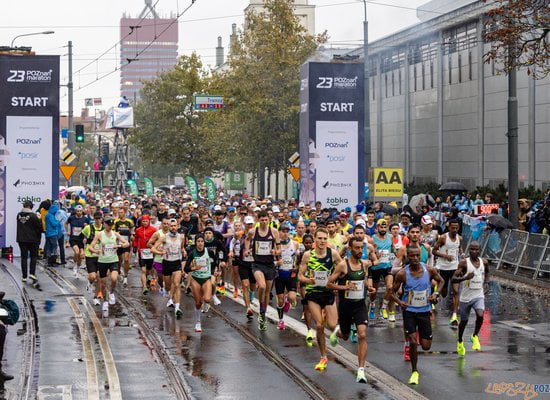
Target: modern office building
(149, 46)
(440, 112)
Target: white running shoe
(162, 292)
(217, 301)
(105, 306)
(112, 299)
(198, 327)
(75, 271)
(170, 303)
(125, 281)
(96, 301)
(205, 308)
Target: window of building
(460, 68)
(460, 37)
(431, 74)
(450, 68)
(392, 84)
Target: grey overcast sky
(93, 28)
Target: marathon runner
(307, 243)
(316, 267)
(286, 281)
(382, 270)
(89, 233)
(217, 246)
(248, 282)
(158, 255)
(124, 226)
(415, 281)
(145, 257)
(352, 276)
(75, 223)
(335, 239)
(473, 275)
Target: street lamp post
(31, 34)
(368, 152)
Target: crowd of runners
(339, 268)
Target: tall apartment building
(150, 45)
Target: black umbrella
(453, 187)
(165, 188)
(390, 210)
(499, 222)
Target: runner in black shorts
(286, 280)
(76, 224)
(244, 262)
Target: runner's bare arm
(339, 271)
(303, 268)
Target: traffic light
(79, 133)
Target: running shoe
(125, 282)
(309, 337)
(33, 278)
(170, 303)
(105, 306)
(221, 290)
(205, 308)
(217, 301)
(372, 314)
(391, 317)
(361, 378)
(235, 293)
(112, 299)
(460, 349)
(178, 312)
(281, 325)
(249, 314)
(286, 306)
(406, 352)
(262, 323)
(24, 280)
(153, 283)
(454, 320)
(198, 327)
(96, 301)
(162, 292)
(384, 313)
(413, 380)
(146, 290)
(475, 343)
(75, 272)
(322, 364)
(334, 338)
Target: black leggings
(26, 249)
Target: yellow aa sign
(388, 182)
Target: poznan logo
(28, 141)
(335, 145)
(30, 76)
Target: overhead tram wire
(142, 50)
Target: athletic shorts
(352, 312)
(269, 271)
(245, 272)
(76, 242)
(169, 267)
(121, 250)
(289, 284)
(447, 276)
(104, 267)
(158, 266)
(379, 274)
(200, 281)
(465, 308)
(91, 264)
(413, 321)
(324, 299)
(148, 264)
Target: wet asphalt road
(220, 363)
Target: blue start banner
(29, 136)
(332, 162)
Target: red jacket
(142, 236)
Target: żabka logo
(30, 76)
(336, 201)
(21, 199)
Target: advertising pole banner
(210, 189)
(29, 136)
(193, 187)
(149, 187)
(332, 158)
(133, 187)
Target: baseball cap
(231, 209)
(217, 207)
(301, 204)
(133, 207)
(405, 214)
(276, 209)
(294, 214)
(146, 218)
(235, 204)
(348, 209)
(257, 209)
(284, 227)
(426, 219)
(78, 207)
(248, 219)
(263, 207)
(343, 215)
(382, 221)
(360, 222)
(171, 211)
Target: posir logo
(28, 141)
(338, 82)
(30, 76)
(334, 145)
(25, 156)
(336, 201)
(336, 158)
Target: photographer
(29, 231)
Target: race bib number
(146, 254)
(220, 255)
(202, 264)
(192, 239)
(288, 264)
(418, 298)
(358, 293)
(109, 250)
(173, 253)
(263, 248)
(476, 282)
(321, 278)
(248, 259)
(384, 256)
(77, 230)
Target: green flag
(193, 187)
(149, 188)
(210, 189)
(133, 187)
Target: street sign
(67, 170)
(64, 133)
(88, 102)
(68, 156)
(97, 101)
(206, 102)
(295, 172)
(294, 160)
(235, 181)
(387, 183)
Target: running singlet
(385, 247)
(204, 262)
(451, 248)
(356, 277)
(172, 247)
(416, 291)
(108, 250)
(320, 269)
(76, 224)
(473, 288)
(263, 245)
(288, 255)
(89, 232)
(124, 228)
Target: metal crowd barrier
(517, 252)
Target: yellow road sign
(387, 182)
(295, 172)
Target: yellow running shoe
(454, 320)
(475, 343)
(460, 349)
(391, 318)
(309, 338)
(322, 365)
(413, 380)
(384, 313)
